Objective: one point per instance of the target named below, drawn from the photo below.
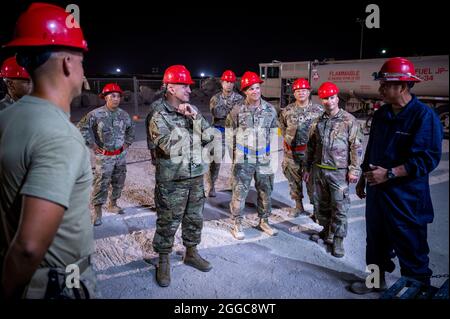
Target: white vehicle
(358, 90)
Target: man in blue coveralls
(404, 147)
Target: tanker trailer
(359, 92)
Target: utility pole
(361, 21)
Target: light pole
(361, 22)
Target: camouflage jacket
(154, 107)
(249, 132)
(106, 129)
(178, 144)
(336, 142)
(220, 106)
(295, 123)
(7, 101)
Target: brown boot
(98, 215)
(329, 238)
(163, 270)
(237, 231)
(193, 259)
(360, 287)
(325, 234)
(265, 227)
(317, 236)
(113, 208)
(212, 192)
(298, 211)
(338, 247)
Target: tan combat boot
(212, 192)
(325, 234)
(338, 247)
(298, 210)
(193, 259)
(98, 215)
(237, 231)
(360, 287)
(163, 270)
(113, 208)
(329, 239)
(265, 227)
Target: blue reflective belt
(257, 152)
(220, 128)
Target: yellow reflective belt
(326, 167)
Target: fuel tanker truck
(358, 90)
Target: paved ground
(286, 266)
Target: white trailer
(358, 90)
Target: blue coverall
(398, 211)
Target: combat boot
(325, 234)
(113, 208)
(98, 215)
(163, 270)
(338, 247)
(360, 287)
(212, 192)
(237, 231)
(298, 210)
(320, 235)
(265, 227)
(294, 213)
(193, 259)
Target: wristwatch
(390, 174)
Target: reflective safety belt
(326, 167)
(248, 151)
(220, 128)
(110, 153)
(298, 148)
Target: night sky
(212, 36)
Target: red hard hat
(10, 69)
(228, 76)
(397, 69)
(110, 88)
(328, 89)
(44, 24)
(177, 74)
(249, 78)
(300, 84)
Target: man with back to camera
(46, 173)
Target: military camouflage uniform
(295, 122)
(179, 190)
(335, 149)
(154, 107)
(5, 102)
(110, 131)
(251, 156)
(220, 106)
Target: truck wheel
(442, 112)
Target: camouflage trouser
(214, 167)
(294, 174)
(108, 170)
(242, 175)
(179, 202)
(331, 199)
